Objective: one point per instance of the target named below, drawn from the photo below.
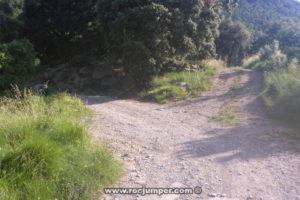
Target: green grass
(282, 93)
(236, 85)
(176, 86)
(46, 153)
(228, 116)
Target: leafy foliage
(16, 55)
(149, 35)
(16, 61)
(286, 31)
(233, 42)
(141, 36)
(57, 27)
(9, 26)
(271, 20)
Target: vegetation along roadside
(46, 152)
(176, 86)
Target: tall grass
(46, 153)
(180, 85)
(282, 93)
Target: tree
(258, 14)
(157, 33)
(286, 31)
(195, 25)
(233, 42)
(16, 55)
(143, 36)
(9, 26)
(138, 35)
(57, 26)
(16, 61)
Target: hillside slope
(256, 14)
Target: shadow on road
(91, 100)
(258, 137)
(243, 143)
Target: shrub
(138, 63)
(273, 63)
(175, 86)
(293, 52)
(175, 65)
(270, 58)
(269, 50)
(16, 61)
(46, 152)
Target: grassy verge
(46, 153)
(180, 85)
(282, 93)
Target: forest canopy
(154, 33)
(143, 37)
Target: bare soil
(177, 145)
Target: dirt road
(177, 145)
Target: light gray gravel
(163, 145)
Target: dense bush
(16, 61)
(270, 58)
(46, 153)
(293, 52)
(233, 42)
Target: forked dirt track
(177, 145)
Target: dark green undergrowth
(282, 93)
(46, 152)
(176, 86)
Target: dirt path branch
(179, 145)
